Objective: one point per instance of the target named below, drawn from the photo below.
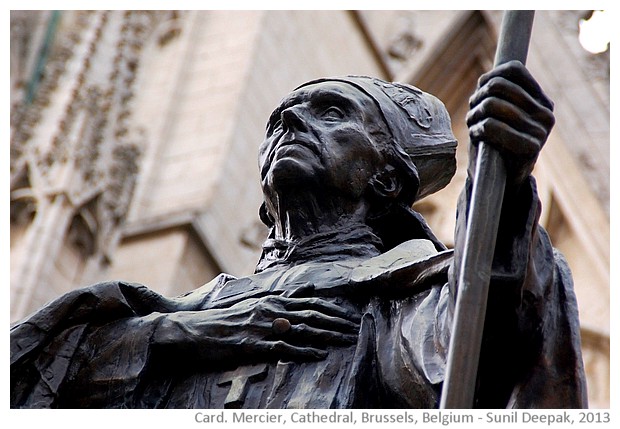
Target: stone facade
(134, 138)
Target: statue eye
(333, 113)
(274, 126)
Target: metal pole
(481, 232)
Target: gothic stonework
(74, 138)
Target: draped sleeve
(531, 348)
(84, 331)
(531, 351)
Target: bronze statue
(351, 303)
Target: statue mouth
(294, 141)
(286, 147)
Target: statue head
(388, 143)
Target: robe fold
(93, 347)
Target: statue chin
(293, 171)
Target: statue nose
(292, 118)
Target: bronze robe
(92, 347)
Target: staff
(480, 236)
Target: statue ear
(386, 184)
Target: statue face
(321, 136)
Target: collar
(353, 241)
